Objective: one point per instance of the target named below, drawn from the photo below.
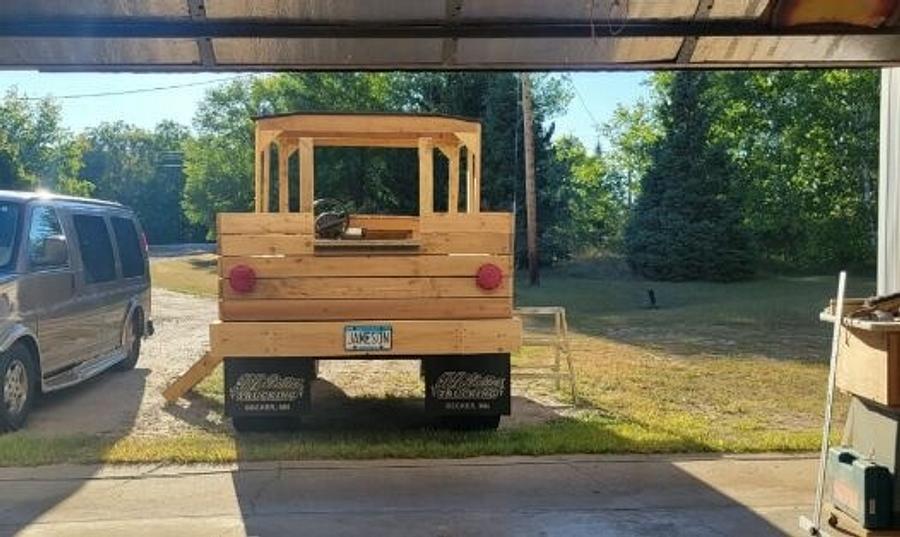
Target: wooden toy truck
(298, 287)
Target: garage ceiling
(193, 35)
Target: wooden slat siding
(481, 222)
(270, 244)
(466, 243)
(261, 224)
(371, 266)
(386, 223)
(326, 339)
(364, 288)
(390, 309)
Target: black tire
(134, 352)
(16, 362)
(471, 423)
(246, 424)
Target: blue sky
(599, 94)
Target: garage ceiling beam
(686, 52)
(207, 53)
(150, 27)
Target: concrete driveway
(571, 496)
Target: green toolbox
(860, 488)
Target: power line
(136, 91)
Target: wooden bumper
(326, 339)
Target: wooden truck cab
(436, 287)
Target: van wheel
(132, 342)
(17, 387)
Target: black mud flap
(268, 387)
(467, 385)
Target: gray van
(74, 295)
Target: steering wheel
(332, 218)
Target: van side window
(129, 247)
(96, 248)
(46, 241)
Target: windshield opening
(9, 224)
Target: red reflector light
(144, 244)
(489, 276)
(242, 279)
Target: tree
(141, 169)
(595, 211)
(35, 151)
(219, 162)
(687, 223)
(806, 148)
(631, 133)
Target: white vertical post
(889, 184)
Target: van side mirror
(52, 251)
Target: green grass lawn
(735, 367)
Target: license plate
(367, 338)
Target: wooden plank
(259, 224)
(355, 124)
(453, 180)
(481, 222)
(426, 176)
(197, 372)
(363, 288)
(387, 309)
(385, 222)
(284, 152)
(326, 339)
(371, 266)
(466, 243)
(869, 365)
(257, 172)
(266, 178)
(260, 244)
(307, 174)
(371, 245)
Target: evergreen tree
(687, 222)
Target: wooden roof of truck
(455, 137)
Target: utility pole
(534, 276)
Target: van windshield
(9, 224)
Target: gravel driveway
(116, 403)
(352, 393)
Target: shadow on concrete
(499, 497)
(101, 410)
(106, 405)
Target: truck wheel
(132, 343)
(17, 387)
(245, 424)
(471, 423)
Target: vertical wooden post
(306, 152)
(266, 176)
(453, 183)
(426, 176)
(476, 174)
(534, 276)
(257, 173)
(284, 151)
